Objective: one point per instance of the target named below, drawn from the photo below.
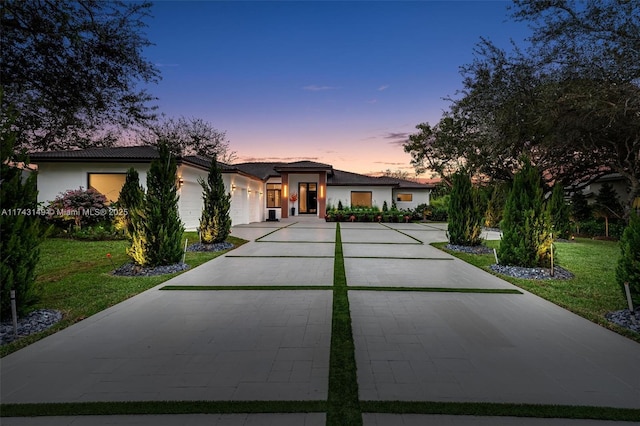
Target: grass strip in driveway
(403, 233)
(397, 258)
(280, 256)
(274, 231)
(245, 287)
(440, 289)
(343, 403)
(160, 407)
(501, 409)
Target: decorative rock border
(34, 322)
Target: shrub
(78, 207)
(21, 233)
(215, 222)
(628, 269)
(580, 210)
(385, 207)
(465, 217)
(525, 228)
(439, 209)
(99, 232)
(597, 228)
(607, 205)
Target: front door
(308, 201)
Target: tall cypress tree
(465, 217)
(131, 199)
(495, 206)
(525, 227)
(19, 227)
(158, 229)
(215, 222)
(558, 211)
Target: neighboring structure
(298, 188)
(616, 180)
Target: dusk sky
(336, 82)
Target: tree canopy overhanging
(570, 101)
(73, 70)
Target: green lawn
(591, 293)
(74, 277)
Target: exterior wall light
(180, 181)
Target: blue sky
(331, 81)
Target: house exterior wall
(190, 203)
(247, 198)
(246, 207)
(419, 196)
(619, 185)
(54, 178)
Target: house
(258, 190)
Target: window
(361, 199)
(273, 195)
(108, 184)
(404, 197)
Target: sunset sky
(336, 82)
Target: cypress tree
(19, 227)
(157, 228)
(525, 227)
(465, 218)
(580, 209)
(131, 198)
(628, 269)
(558, 212)
(495, 206)
(215, 222)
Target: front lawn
(591, 293)
(74, 277)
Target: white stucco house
(259, 191)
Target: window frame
(410, 200)
(361, 205)
(277, 196)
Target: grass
(591, 293)
(74, 277)
(344, 404)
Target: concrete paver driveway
(275, 345)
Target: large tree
(569, 101)
(190, 136)
(72, 70)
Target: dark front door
(308, 202)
